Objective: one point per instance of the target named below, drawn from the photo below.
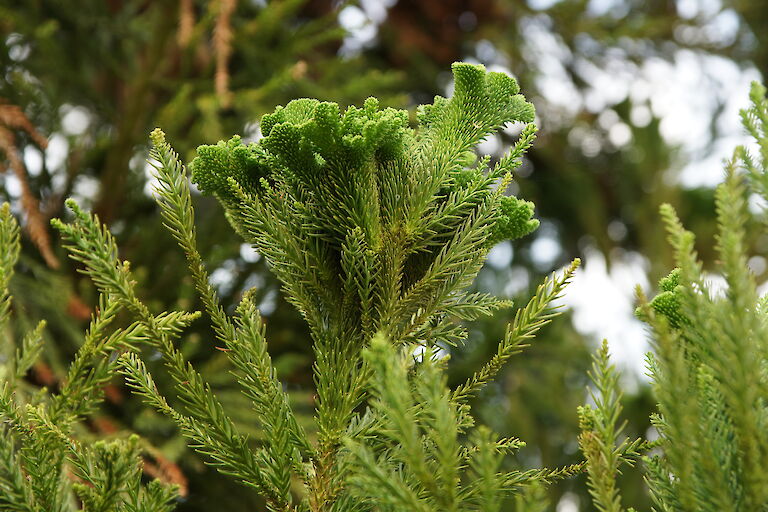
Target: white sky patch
(685, 94)
(56, 152)
(609, 83)
(500, 256)
(85, 189)
(223, 278)
(362, 24)
(18, 50)
(757, 264)
(58, 178)
(568, 503)
(438, 353)
(620, 134)
(74, 119)
(603, 7)
(518, 281)
(732, 85)
(545, 52)
(490, 146)
(252, 132)
(546, 250)
(249, 254)
(268, 303)
(603, 306)
(687, 8)
(715, 284)
(33, 160)
(541, 5)
(640, 115)
(12, 185)
(757, 204)
(376, 10)
(487, 53)
(139, 161)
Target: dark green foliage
(283, 50)
(125, 67)
(43, 466)
(416, 455)
(600, 441)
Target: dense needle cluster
(45, 465)
(357, 208)
(376, 232)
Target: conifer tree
(708, 367)
(375, 231)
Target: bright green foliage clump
(708, 368)
(373, 228)
(668, 301)
(369, 224)
(43, 467)
(513, 221)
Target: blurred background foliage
(83, 82)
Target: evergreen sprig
(599, 440)
(417, 451)
(527, 322)
(38, 448)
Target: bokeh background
(637, 103)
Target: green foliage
(600, 435)
(416, 455)
(357, 209)
(708, 369)
(668, 300)
(526, 323)
(122, 69)
(375, 241)
(43, 467)
(125, 62)
(514, 220)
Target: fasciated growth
(327, 193)
(667, 303)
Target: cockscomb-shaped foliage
(668, 301)
(708, 367)
(513, 220)
(376, 231)
(358, 209)
(43, 466)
